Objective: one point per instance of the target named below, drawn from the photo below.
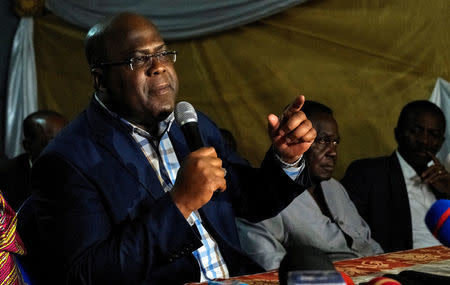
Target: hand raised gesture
(292, 133)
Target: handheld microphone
(186, 117)
(438, 222)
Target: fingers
(273, 124)
(295, 127)
(200, 175)
(296, 105)
(434, 158)
(292, 117)
(292, 109)
(433, 173)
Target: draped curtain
(441, 97)
(22, 86)
(364, 59)
(176, 19)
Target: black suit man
(393, 193)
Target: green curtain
(363, 59)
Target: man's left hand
(437, 176)
(292, 133)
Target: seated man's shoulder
(369, 164)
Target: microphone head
(438, 222)
(304, 258)
(185, 113)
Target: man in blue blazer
(120, 200)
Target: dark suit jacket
(15, 180)
(105, 218)
(377, 187)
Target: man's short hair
(419, 106)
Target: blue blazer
(103, 217)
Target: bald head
(109, 31)
(144, 94)
(39, 128)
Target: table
(434, 260)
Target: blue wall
(8, 26)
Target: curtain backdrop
(441, 97)
(364, 59)
(21, 97)
(176, 19)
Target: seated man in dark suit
(393, 193)
(120, 200)
(323, 217)
(38, 129)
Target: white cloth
(420, 199)
(21, 98)
(441, 97)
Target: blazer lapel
(114, 137)
(178, 142)
(218, 212)
(401, 226)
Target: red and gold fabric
(10, 244)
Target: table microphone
(186, 118)
(438, 222)
(310, 262)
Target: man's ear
(98, 78)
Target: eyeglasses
(167, 56)
(325, 141)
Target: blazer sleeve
(87, 246)
(257, 193)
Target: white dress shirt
(420, 199)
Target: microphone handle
(192, 136)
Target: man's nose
(156, 68)
(332, 149)
(424, 138)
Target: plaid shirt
(166, 165)
(161, 156)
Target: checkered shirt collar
(163, 126)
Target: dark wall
(8, 26)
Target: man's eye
(141, 59)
